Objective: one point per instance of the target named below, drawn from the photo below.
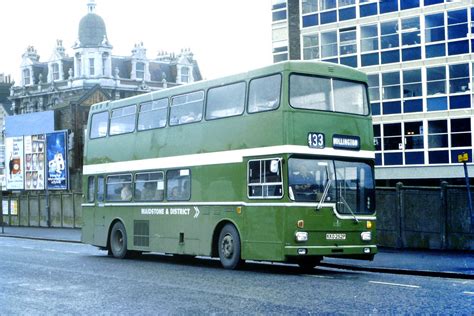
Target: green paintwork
(267, 232)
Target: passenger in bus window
(126, 193)
(149, 191)
(174, 194)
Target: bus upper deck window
(350, 97)
(186, 108)
(264, 93)
(99, 124)
(309, 92)
(153, 114)
(122, 120)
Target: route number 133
(316, 140)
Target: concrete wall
(31, 209)
(424, 217)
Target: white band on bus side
(216, 158)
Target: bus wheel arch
(227, 245)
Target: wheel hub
(227, 246)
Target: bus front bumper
(365, 252)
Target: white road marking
(73, 252)
(468, 293)
(396, 284)
(319, 276)
(25, 247)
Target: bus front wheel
(118, 241)
(308, 264)
(229, 247)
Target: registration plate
(335, 236)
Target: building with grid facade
(418, 55)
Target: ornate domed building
(69, 85)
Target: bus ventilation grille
(141, 236)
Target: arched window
(55, 70)
(184, 74)
(140, 70)
(79, 65)
(26, 77)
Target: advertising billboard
(56, 161)
(15, 166)
(34, 162)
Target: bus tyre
(118, 241)
(308, 264)
(229, 247)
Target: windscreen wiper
(325, 193)
(347, 204)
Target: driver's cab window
(265, 179)
(311, 180)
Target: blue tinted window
(393, 159)
(375, 108)
(408, 4)
(279, 5)
(310, 20)
(349, 61)
(410, 106)
(279, 15)
(457, 31)
(411, 53)
(378, 159)
(456, 48)
(430, 2)
(370, 59)
(435, 50)
(328, 17)
(347, 14)
(434, 20)
(455, 17)
(368, 9)
(388, 6)
(460, 102)
(331, 60)
(438, 156)
(437, 104)
(391, 57)
(414, 158)
(393, 107)
(455, 153)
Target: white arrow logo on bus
(196, 214)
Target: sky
(226, 36)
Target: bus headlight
(301, 236)
(366, 236)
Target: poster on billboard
(56, 161)
(34, 162)
(14, 168)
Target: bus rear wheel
(118, 241)
(229, 247)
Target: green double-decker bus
(276, 164)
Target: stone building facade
(69, 85)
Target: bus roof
(312, 67)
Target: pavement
(450, 264)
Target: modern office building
(418, 55)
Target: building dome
(92, 30)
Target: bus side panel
(94, 231)
(264, 230)
(87, 231)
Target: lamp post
(464, 158)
